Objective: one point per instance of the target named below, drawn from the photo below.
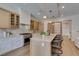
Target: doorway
(67, 28)
(55, 27)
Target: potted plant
(43, 34)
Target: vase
(43, 37)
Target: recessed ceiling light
(44, 17)
(62, 15)
(50, 21)
(62, 6)
(38, 13)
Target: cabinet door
(32, 25)
(40, 48)
(50, 28)
(4, 19)
(12, 20)
(41, 27)
(17, 42)
(5, 46)
(17, 21)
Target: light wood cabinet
(34, 25)
(41, 27)
(14, 20)
(8, 19)
(31, 25)
(50, 28)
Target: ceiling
(42, 9)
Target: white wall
(9, 7)
(66, 28)
(24, 16)
(45, 26)
(25, 19)
(57, 28)
(75, 25)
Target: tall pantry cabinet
(8, 20)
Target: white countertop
(45, 38)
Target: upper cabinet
(34, 25)
(50, 28)
(14, 20)
(8, 19)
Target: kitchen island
(41, 46)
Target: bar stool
(56, 46)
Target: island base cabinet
(40, 48)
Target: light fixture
(44, 17)
(62, 15)
(50, 12)
(38, 13)
(50, 21)
(62, 7)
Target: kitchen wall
(56, 25)
(75, 25)
(24, 19)
(67, 28)
(24, 16)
